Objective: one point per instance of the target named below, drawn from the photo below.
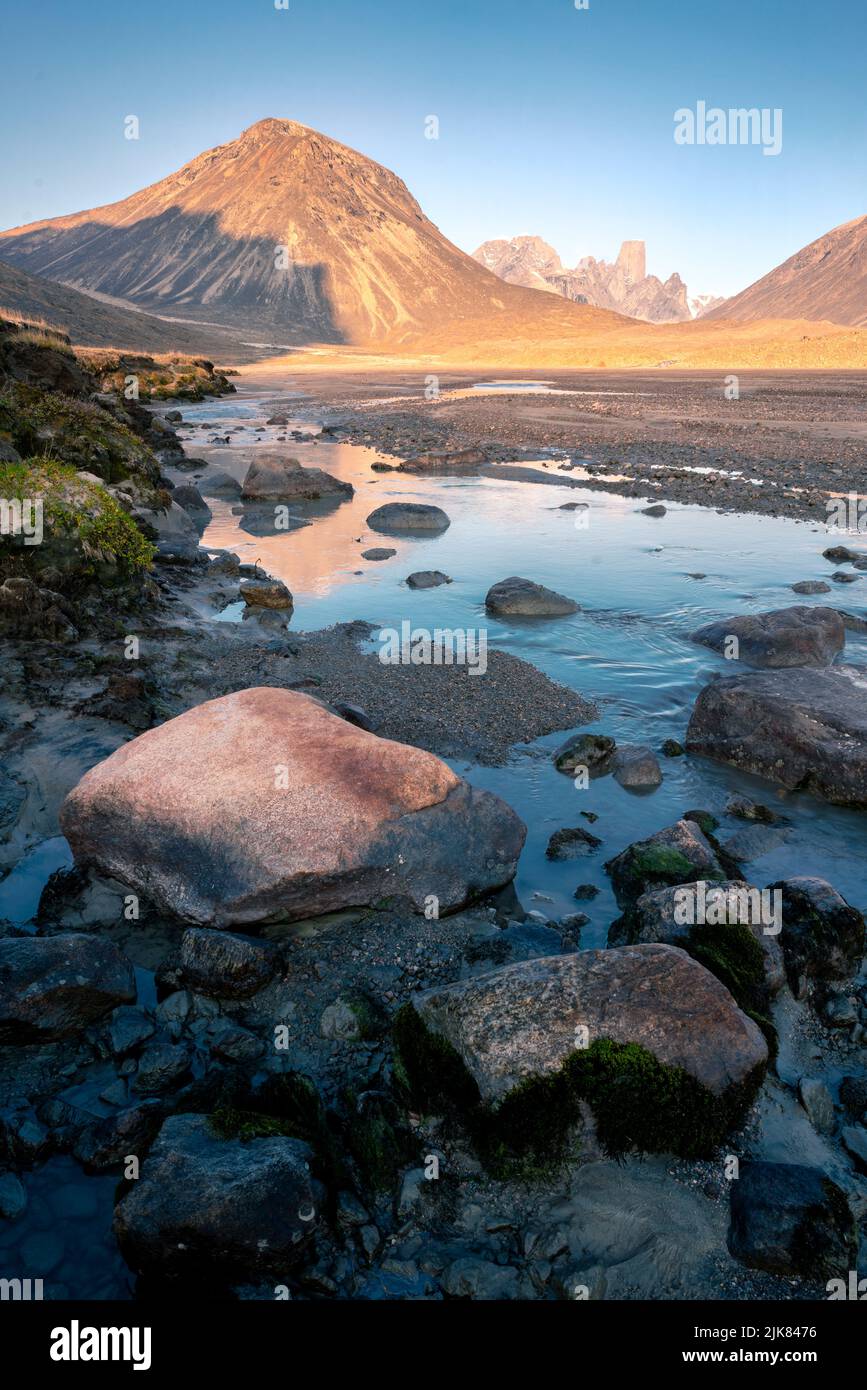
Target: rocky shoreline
(781, 448)
(289, 963)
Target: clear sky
(553, 120)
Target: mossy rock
(87, 535)
(78, 433)
(638, 1103)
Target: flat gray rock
(408, 516)
(798, 636)
(803, 729)
(517, 597)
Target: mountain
(284, 231)
(701, 304)
(624, 287)
(825, 280)
(93, 322)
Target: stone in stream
(798, 636)
(635, 767)
(655, 509)
(378, 553)
(571, 843)
(272, 478)
(791, 1219)
(593, 751)
(53, 987)
(266, 593)
(676, 855)
(841, 555)
(844, 577)
(644, 1036)
(427, 579)
(220, 484)
(408, 516)
(218, 1207)
(522, 598)
(187, 495)
(811, 586)
(803, 729)
(445, 461)
(263, 805)
(818, 1103)
(823, 936)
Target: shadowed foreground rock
(823, 936)
(797, 636)
(53, 987)
(668, 1060)
(788, 1218)
(805, 729)
(262, 805)
(217, 1206)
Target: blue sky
(553, 120)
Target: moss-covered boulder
(164, 377)
(681, 853)
(724, 925)
(727, 927)
(791, 1219)
(63, 531)
(644, 1037)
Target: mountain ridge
(281, 229)
(826, 279)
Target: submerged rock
(642, 1035)
(408, 516)
(220, 1207)
(52, 987)
(264, 805)
(571, 843)
(445, 461)
(798, 636)
(517, 597)
(272, 478)
(803, 729)
(678, 854)
(811, 586)
(378, 553)
(791, 1219)
(427, 579)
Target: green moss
(75, 432)
(78, 516)
(662, 861)
(732, 953)
(245, 1125)
(638, 1102)
(379, 1140)
(434, 1072)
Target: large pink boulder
(264, 805)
